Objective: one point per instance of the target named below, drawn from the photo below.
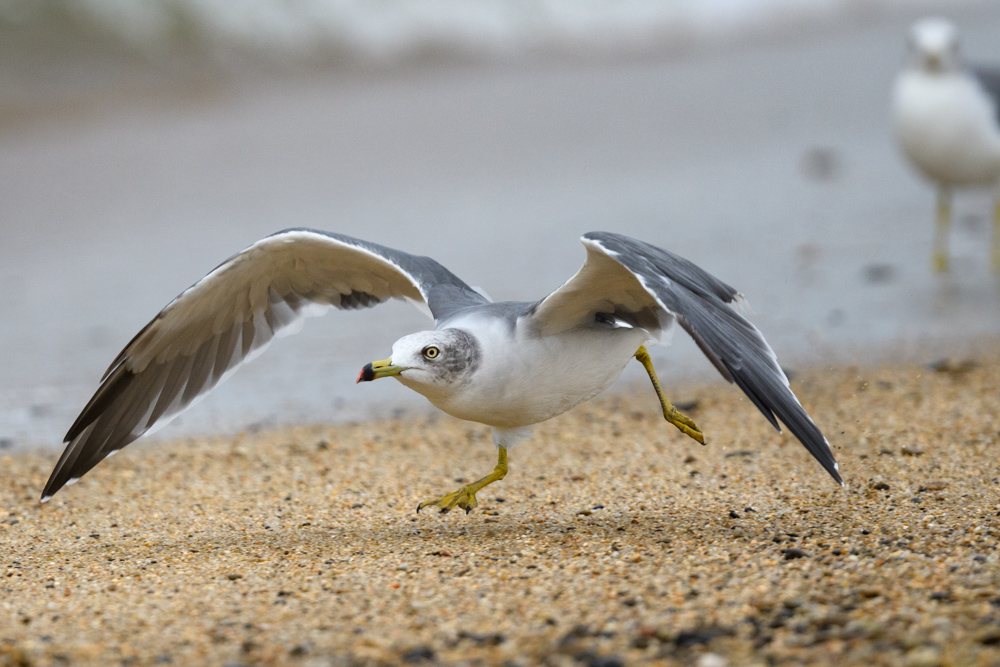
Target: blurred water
(772, 165)
(375, 29)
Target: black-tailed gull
(508, 365)
(947, 119)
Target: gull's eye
(431, 352)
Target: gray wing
(989, 80)
(631, 278)
(230, 316)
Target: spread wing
(633, 279)
(230, 316)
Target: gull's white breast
(947, 127)
(526, 379)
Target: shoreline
(690, 375)
(612, 538)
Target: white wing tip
(72, 481)
(46, 499)
(481, 292)
(741, 305)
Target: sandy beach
(614, 540)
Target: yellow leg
(670, 413)
(996, 236)
(465, 497)
(942, 229)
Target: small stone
(932, 486)
(793, 553)
(818, 163)
(418, 655)
(952, 367)
(234, 577)
(711, 660)
(911, 451)
(879, 273)
(689, 638)
(881, 486)
(602, 661)
(744, 453)
(733, 514)
(990, 637)
(924, 656)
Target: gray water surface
(771, 166)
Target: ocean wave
(393, 29)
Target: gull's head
(934, 45)
(429, 361)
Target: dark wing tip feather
(135, 395)
(734, 345)
(989, 79)
(744, 384)
(778, 402)
(89, 440)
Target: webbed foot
(684, 424)
(670, 413)
(465, 497)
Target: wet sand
(613, 540)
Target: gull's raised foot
(464, 498)
(685, 424)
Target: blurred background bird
(947, 120)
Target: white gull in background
(508, 365)
(947, 120)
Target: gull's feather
(989, 81)
(230, 316)
(624, 275)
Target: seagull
(947, 120)
(509, 365)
